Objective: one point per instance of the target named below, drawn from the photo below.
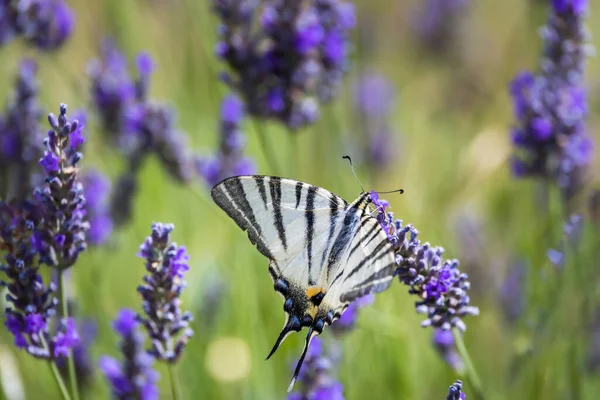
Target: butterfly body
(324, 252)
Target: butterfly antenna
(309, 336)
(391, 191)
(354, 172)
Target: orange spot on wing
(314, 290)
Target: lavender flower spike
(549, 136)
(455, 392)
(134, 378)
(62, 236)
(166, 263)
(31, 304)
(439, 284)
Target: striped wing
(288, 221)
(369, 266)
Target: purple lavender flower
(166, 263)
(348, 319)
(230, 160)
(316, 377)
(550, 137)
(435, 23)
(455, 392)
(21, 137)
(31, 302)
(443, 342)
(62, 234)
(286, 60)
(134, 378)
(97, 189)
(439, 284)
(46, 24)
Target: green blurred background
(451, 119)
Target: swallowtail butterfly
(323, 252)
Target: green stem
(59, 381)
(62, 295)
(56, 373)
(471, 371)
(258, 127)
(174, 384)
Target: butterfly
(323, 251)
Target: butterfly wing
(368, 266)
(285, 219)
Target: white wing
(290, 222)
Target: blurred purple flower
(134, 378)
(348, 319)
(374, 98)
(550, 137)
(113, 90)
(287, 59)
(455, 392)
(62, 234)
(512, 291)
(167, 325)
(66, 339)
(443, 342)
(230, 160)
(97, 189)
(46, 24)
(138, 126)
(21, 137)
(435, 22)
(571, 235)
(316, 378)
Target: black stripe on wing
(310, 228)
(343, 240)
(371, 233)
(231, 197)
(275, 190)
(260, 183)
(299, 188)
(377, 282)
(380, 251)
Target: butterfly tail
(291, 325)
(311, 333)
